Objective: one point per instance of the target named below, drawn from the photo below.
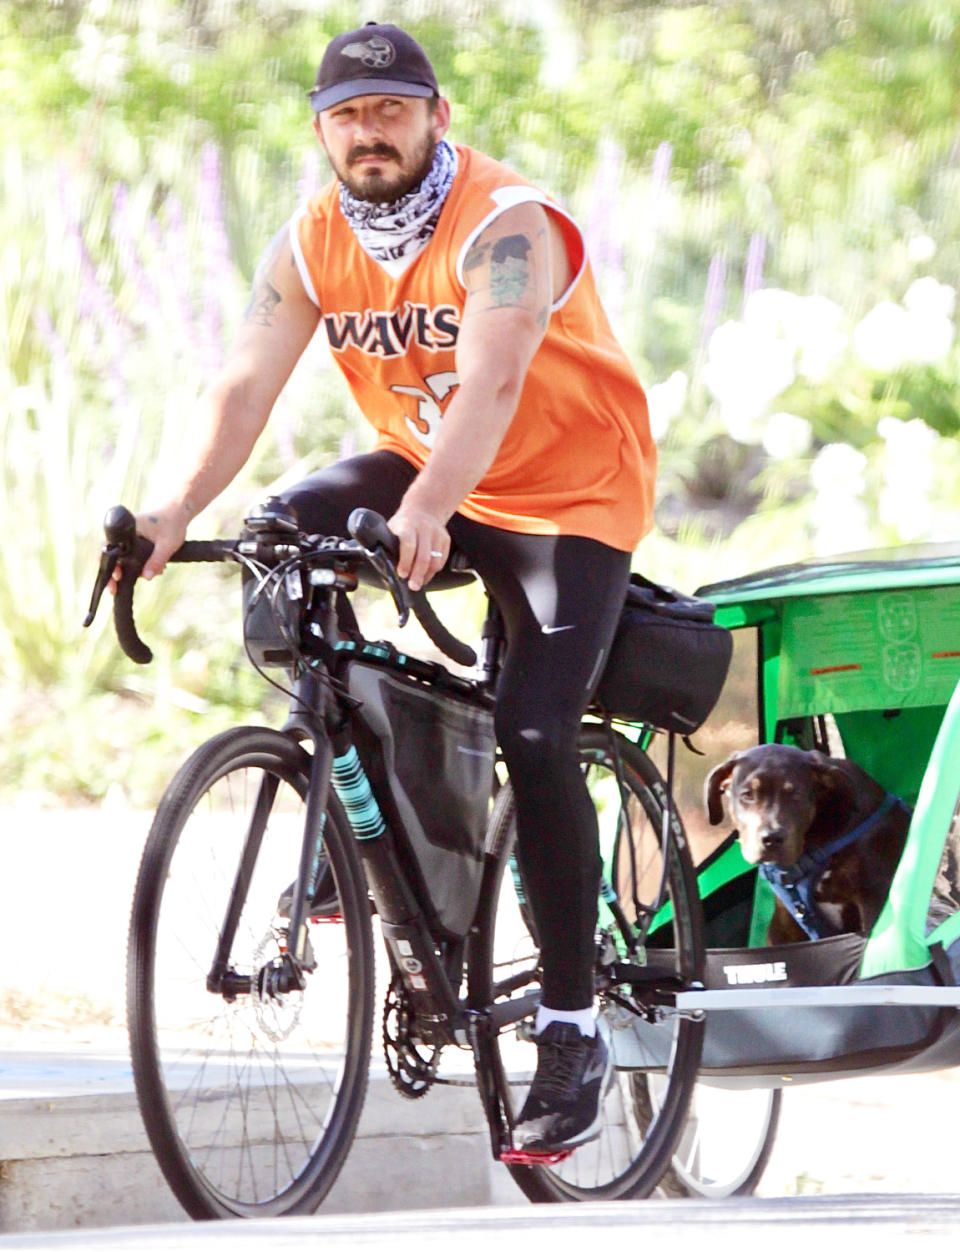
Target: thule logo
(744, 975)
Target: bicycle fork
(286, 973)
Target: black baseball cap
(376, 59)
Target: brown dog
(787, 806)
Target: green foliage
(153, 148)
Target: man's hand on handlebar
(166, 528)
(424, 545)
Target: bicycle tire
(250, 1104)
(726, 1143)
(634, 1148)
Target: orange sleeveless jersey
(578, 458)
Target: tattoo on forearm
(261, 310)
(510, 269)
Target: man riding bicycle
(458, 302)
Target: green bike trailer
(858, 654)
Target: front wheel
(637, 1141)
(250, 1092)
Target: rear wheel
(726, 1142)
(250, 1094)
(637, 1141)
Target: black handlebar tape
(126, 629)
(198, 551)
(117, 528)
(370, 529)
(448, 643)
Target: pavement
(855, 1152)
(789, 1225)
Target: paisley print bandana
(400, 229)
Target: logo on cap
(377, 53)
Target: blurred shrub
(769, 192)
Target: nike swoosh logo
(553, 630)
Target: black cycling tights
(560, 597)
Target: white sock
(583, 1018)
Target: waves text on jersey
(391, 332)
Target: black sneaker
(325, 903)
(562, 1108)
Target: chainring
(411, 1063)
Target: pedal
(519, 1156)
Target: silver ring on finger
(433, 552)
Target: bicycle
(251, 961)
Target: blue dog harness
(795, 885)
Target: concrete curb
(84, 1160)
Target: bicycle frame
(429, 953)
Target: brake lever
(109, 555)
(396, 585)
(120, 527)
(124, 547)
(382, 549)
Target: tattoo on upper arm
(264, 298)
(507, 272)
(510, 269)
(476, 255)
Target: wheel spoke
(250, 1097)
(636, 1140)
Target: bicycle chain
(412, 1073)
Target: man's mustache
(378, 150)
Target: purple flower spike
(715, 297)
(601, 236)
(753, 270)
(218, 271)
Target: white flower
(920, 330)
(927, 297)
(770, 310)
(880, 337)
(841, 526)
(837, 470)
(787, 435)
(665, 401)
(100, 61)
(908, 443)
(921, 248)
(747, 368)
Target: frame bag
(429, 756)
(668, 661)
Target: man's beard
(382, 189)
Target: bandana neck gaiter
(399, 230)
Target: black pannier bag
(668, 661)
(429, 756)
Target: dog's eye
(746, 797)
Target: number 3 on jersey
(426, 423)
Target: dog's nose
(772, 840)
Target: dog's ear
(832, 777)
(715, 786)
